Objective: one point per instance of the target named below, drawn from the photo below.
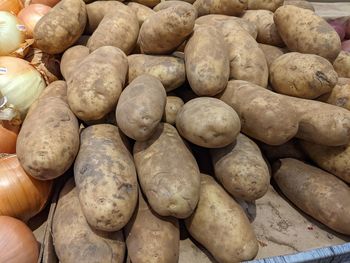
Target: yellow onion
(20, 85)
(31, 14)
(12, 6)
(50, 3)
(8, 137)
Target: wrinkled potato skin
(218, 215)
(142, 12)
(317, 193)
(302, 75)
(168, 173)
(105, 177)
(141, 107)
(164, 31)
(300, 3)
(241, 169)
(97, 83)
(152, 238)
(172, 107)
(49, 138)
(223, 7)
(267, 31)
(271, 53)
(61, 27)
(170, 70)
(208, 122)
(271, 5)
(71, 59)
(75, 240)
(342, 64)
(207, 61)
(315, 35)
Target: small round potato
(172, 107)
(223, 7)
(208, 122)
(71, 59)
(342, 64)
(142, 12)
(271, 5)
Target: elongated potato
(342, 64)
(172, 107)
(302, 75)
(317, 193)
(142, 12)
(164, 31)
(300, 3)
(75, 240)
(152, 238)
(271, 5)
(171, 184)
(208, 122)
(49, 138)
(223, 7)
(71, 59)
(207, 61)
(241, 169)
(97, 83)
(170, 70)
(140, 107)
(305, 32)
(271, 53)
(219, 217)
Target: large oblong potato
(169, 69)
(241, 169)
(302, 75)
(140, 107)
(208, 122)
(223, 7)
(71, 59)
(271, 5)
(305, 32)
(105, 177)
(342, 64)
(61, 27)
(95, 86)
(168, 173)
(164, 31)
(316, 192)
(75, 241)
(218, 217)
(49, 138)
(152, 238)
(172, 107)
(207, 61)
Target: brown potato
(71, 59)
(300, 3)
(339, 96)
(171, 184)
(149, 3)
(219, 217)
(140, 107)
(271, 5)
(271, 53)
(49, 138)
(223, 7)
(172, 107)
(317, 193)
(342, 64)
(61, 27)
(142, 12)
(190, 252)
(169, 3)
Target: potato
(342, 64)
(71, 59)
(290, 149)
(267, 31)
(164, 31)
(317, 193)
(305, 32)
(190, 252)
(169, 3)
(95, 86)
(169, 70)
(219, 217)
(149, 3)
(223, 7)
(142, 12)
(339, 96)
(171, 184)
(118, 28)
(61, 27)
(300, 3)
(172, 107)
(75, 240)
(241, 169)
(152, 238)
(140, 107)
(302, 75)
(271, 53)
(49, 138)
(208, 122)
(343, 81)
(271, 5)
(207, 61)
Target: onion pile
(12, 6)
(31, 14)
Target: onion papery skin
(31, 15)
(12, 6)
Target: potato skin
(300, 3)
(169, 3)
(49, 138)
(223, 7)
(140, 107)
(164, 31)
(152, 238)
(302, 75)
(170, 70)
(97, 83)
(172, 107)
(74, 239)
(271, 53)
(208, 122)
(264, 4)
(61, 27)
(218, 215)
(142, 12)
(171, 184)
(340, 96)
(207, 62)
(241, 169)
(315, 35)
(342, 64)
(317, 193)
(71, 59)
(149, 3)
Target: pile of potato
(162, 112)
